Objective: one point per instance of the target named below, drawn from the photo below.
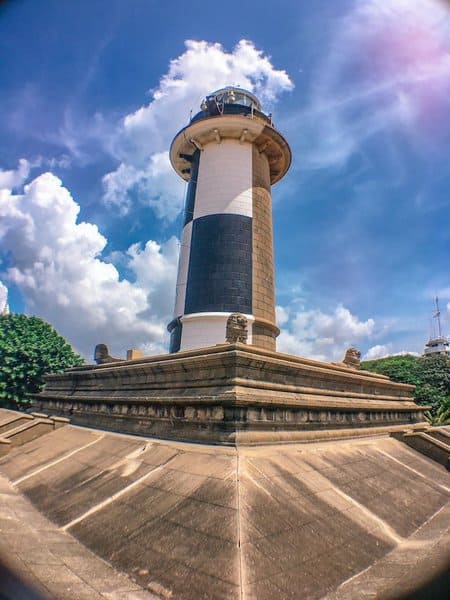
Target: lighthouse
(230, 154)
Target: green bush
(29, 348)
(430, 375)
(443, 414)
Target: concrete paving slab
(302, 520)
(51, 563)
(62, 439)
(401, 572)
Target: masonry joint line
(115, 496)
(58, 460)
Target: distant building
(437, 344)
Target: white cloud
(166, 198)
(4, 308)
(15, 177)
(321, 336)
(142, 143)
(378, 351)
(384, 350)
(387, 67)
(56, 264)
(282, 314)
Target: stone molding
(213, 393)
(197, 134)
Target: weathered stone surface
(263, 305)
(18, 428)
(102, 356)
(10, 419)
(203, 521)
(352, 358)
(230, 394)
(134, 354)
(237, 329)
(39, 562)
(434, 444)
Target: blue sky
(92, 94)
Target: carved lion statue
(237, 329)
(102, 356)
(352, 358)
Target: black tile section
(192, 188)
(220, 265)
(175, 327)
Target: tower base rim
(230, 394)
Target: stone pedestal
(230, 394)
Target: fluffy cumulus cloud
(377, 351)
(142, 142)
(387, 68)
(154, 183)
(14, 178)
(321, 336)
(55, 261)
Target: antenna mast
(439, 344)
(437, 315)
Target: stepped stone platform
(356, 518)
(230, 394)
(237, 472)
(17, 428)
(431, 441)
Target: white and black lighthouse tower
(231, 154)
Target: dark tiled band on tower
(194, 161)
(220, 265)
(175, 329)
(230, 158)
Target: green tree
(430, 375)
(29, 348)
(443, 413)
(403, 368)
(434, 375)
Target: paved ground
(51, 562)
(408, 568)
(355, 519)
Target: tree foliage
(442, 416)
(29, 348)
(430, 374)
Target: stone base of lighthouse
(231, 394)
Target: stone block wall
(263, 271)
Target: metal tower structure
(437, 344)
